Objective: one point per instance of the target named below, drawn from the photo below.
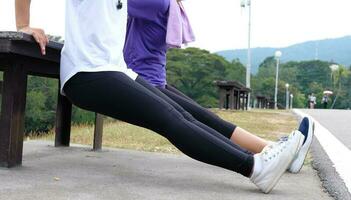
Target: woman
(150, 33)
(94, 77)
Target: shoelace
(274, 150)
(284, 138)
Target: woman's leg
(186, 114)
(116, 95)
(236, 134)
(247, 140)
(200, 113)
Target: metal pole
(248, 67)
(287, 98)
(291, 101)
(276, 85)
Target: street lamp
(287, 96)
(334, 68)
(277, 55)
(244, 4)
(291, 101)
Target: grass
(269, 124)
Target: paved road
(337, 122)
(77, 173)
(337, 160)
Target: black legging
(202, 114)
(116, 95)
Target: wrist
(22, 27)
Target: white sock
(257, 166)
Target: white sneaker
(273, 161)
(307, 129)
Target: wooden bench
(232, 95)
(19, 57)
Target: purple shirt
(145, 46)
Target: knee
(188, 116)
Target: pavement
(338, 122)
(331, 155)
(78, 173)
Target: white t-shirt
(94, 38)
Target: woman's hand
(22, 8)
(39, 36)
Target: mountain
(337, 50)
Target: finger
(36, 37)
(43, 46)
(44, 36)
(41, 42)
(44, 40)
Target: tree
(41, 104)
(235, 71)
(193, 71)
(304, 77)
(339, 76)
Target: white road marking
(338, 153)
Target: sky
(223, 24)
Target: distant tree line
(304, 78)
(193, 71)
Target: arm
(147, 9)
(22, 24)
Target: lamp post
(291, 101)
(247, 3)
(287, 96)
(277, 55)
(334, 68)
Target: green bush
(41, 106)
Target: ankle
(257, 167)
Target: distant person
(312, 101)
(325, 100)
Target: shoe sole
(276, 179)
(295, 168)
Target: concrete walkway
(77, 173)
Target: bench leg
(99, 122)
(63, 121)
(12, 116)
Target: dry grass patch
(268, 124)
(118, 134)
